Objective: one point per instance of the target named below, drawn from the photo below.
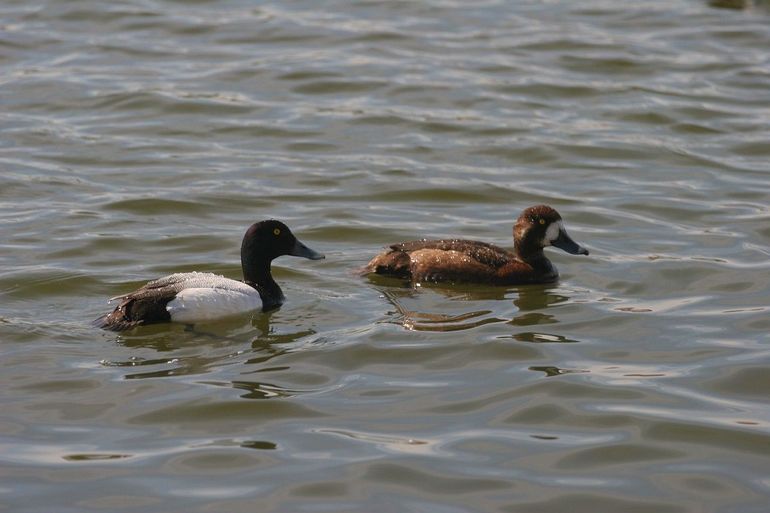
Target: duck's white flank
(207, 296)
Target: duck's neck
(257, 274)
(528, 255)
(525, 247)
(537, 260)
(529, 250)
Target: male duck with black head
(468, 261)
(195, 296)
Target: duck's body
(194, 296)
(468, 261)
(457, 260)
(183, 297)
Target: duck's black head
(267, 240)
(263, 242)
(541, 226)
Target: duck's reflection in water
(199, 349)
(531, 301)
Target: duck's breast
(208, 296)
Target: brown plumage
(457, 260)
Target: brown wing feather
(482, 252)
(438, 265)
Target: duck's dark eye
(542, 221)
(277, 232)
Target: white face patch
(552, 233)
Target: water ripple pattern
(142, 137)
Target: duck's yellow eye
(542, 221)
(277, 231)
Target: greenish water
(142, 137)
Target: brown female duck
(456, 260)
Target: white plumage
(207, 296)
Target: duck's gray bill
(300, 250)
(565, 242)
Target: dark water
(142, 137)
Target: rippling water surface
(142, 137)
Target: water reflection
(261, 390)
(202, 348)
(531, 336)
(529, 300)
(552, 371)
(94, 457)
(259, 445)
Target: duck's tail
(115, 321)
(393, 263)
